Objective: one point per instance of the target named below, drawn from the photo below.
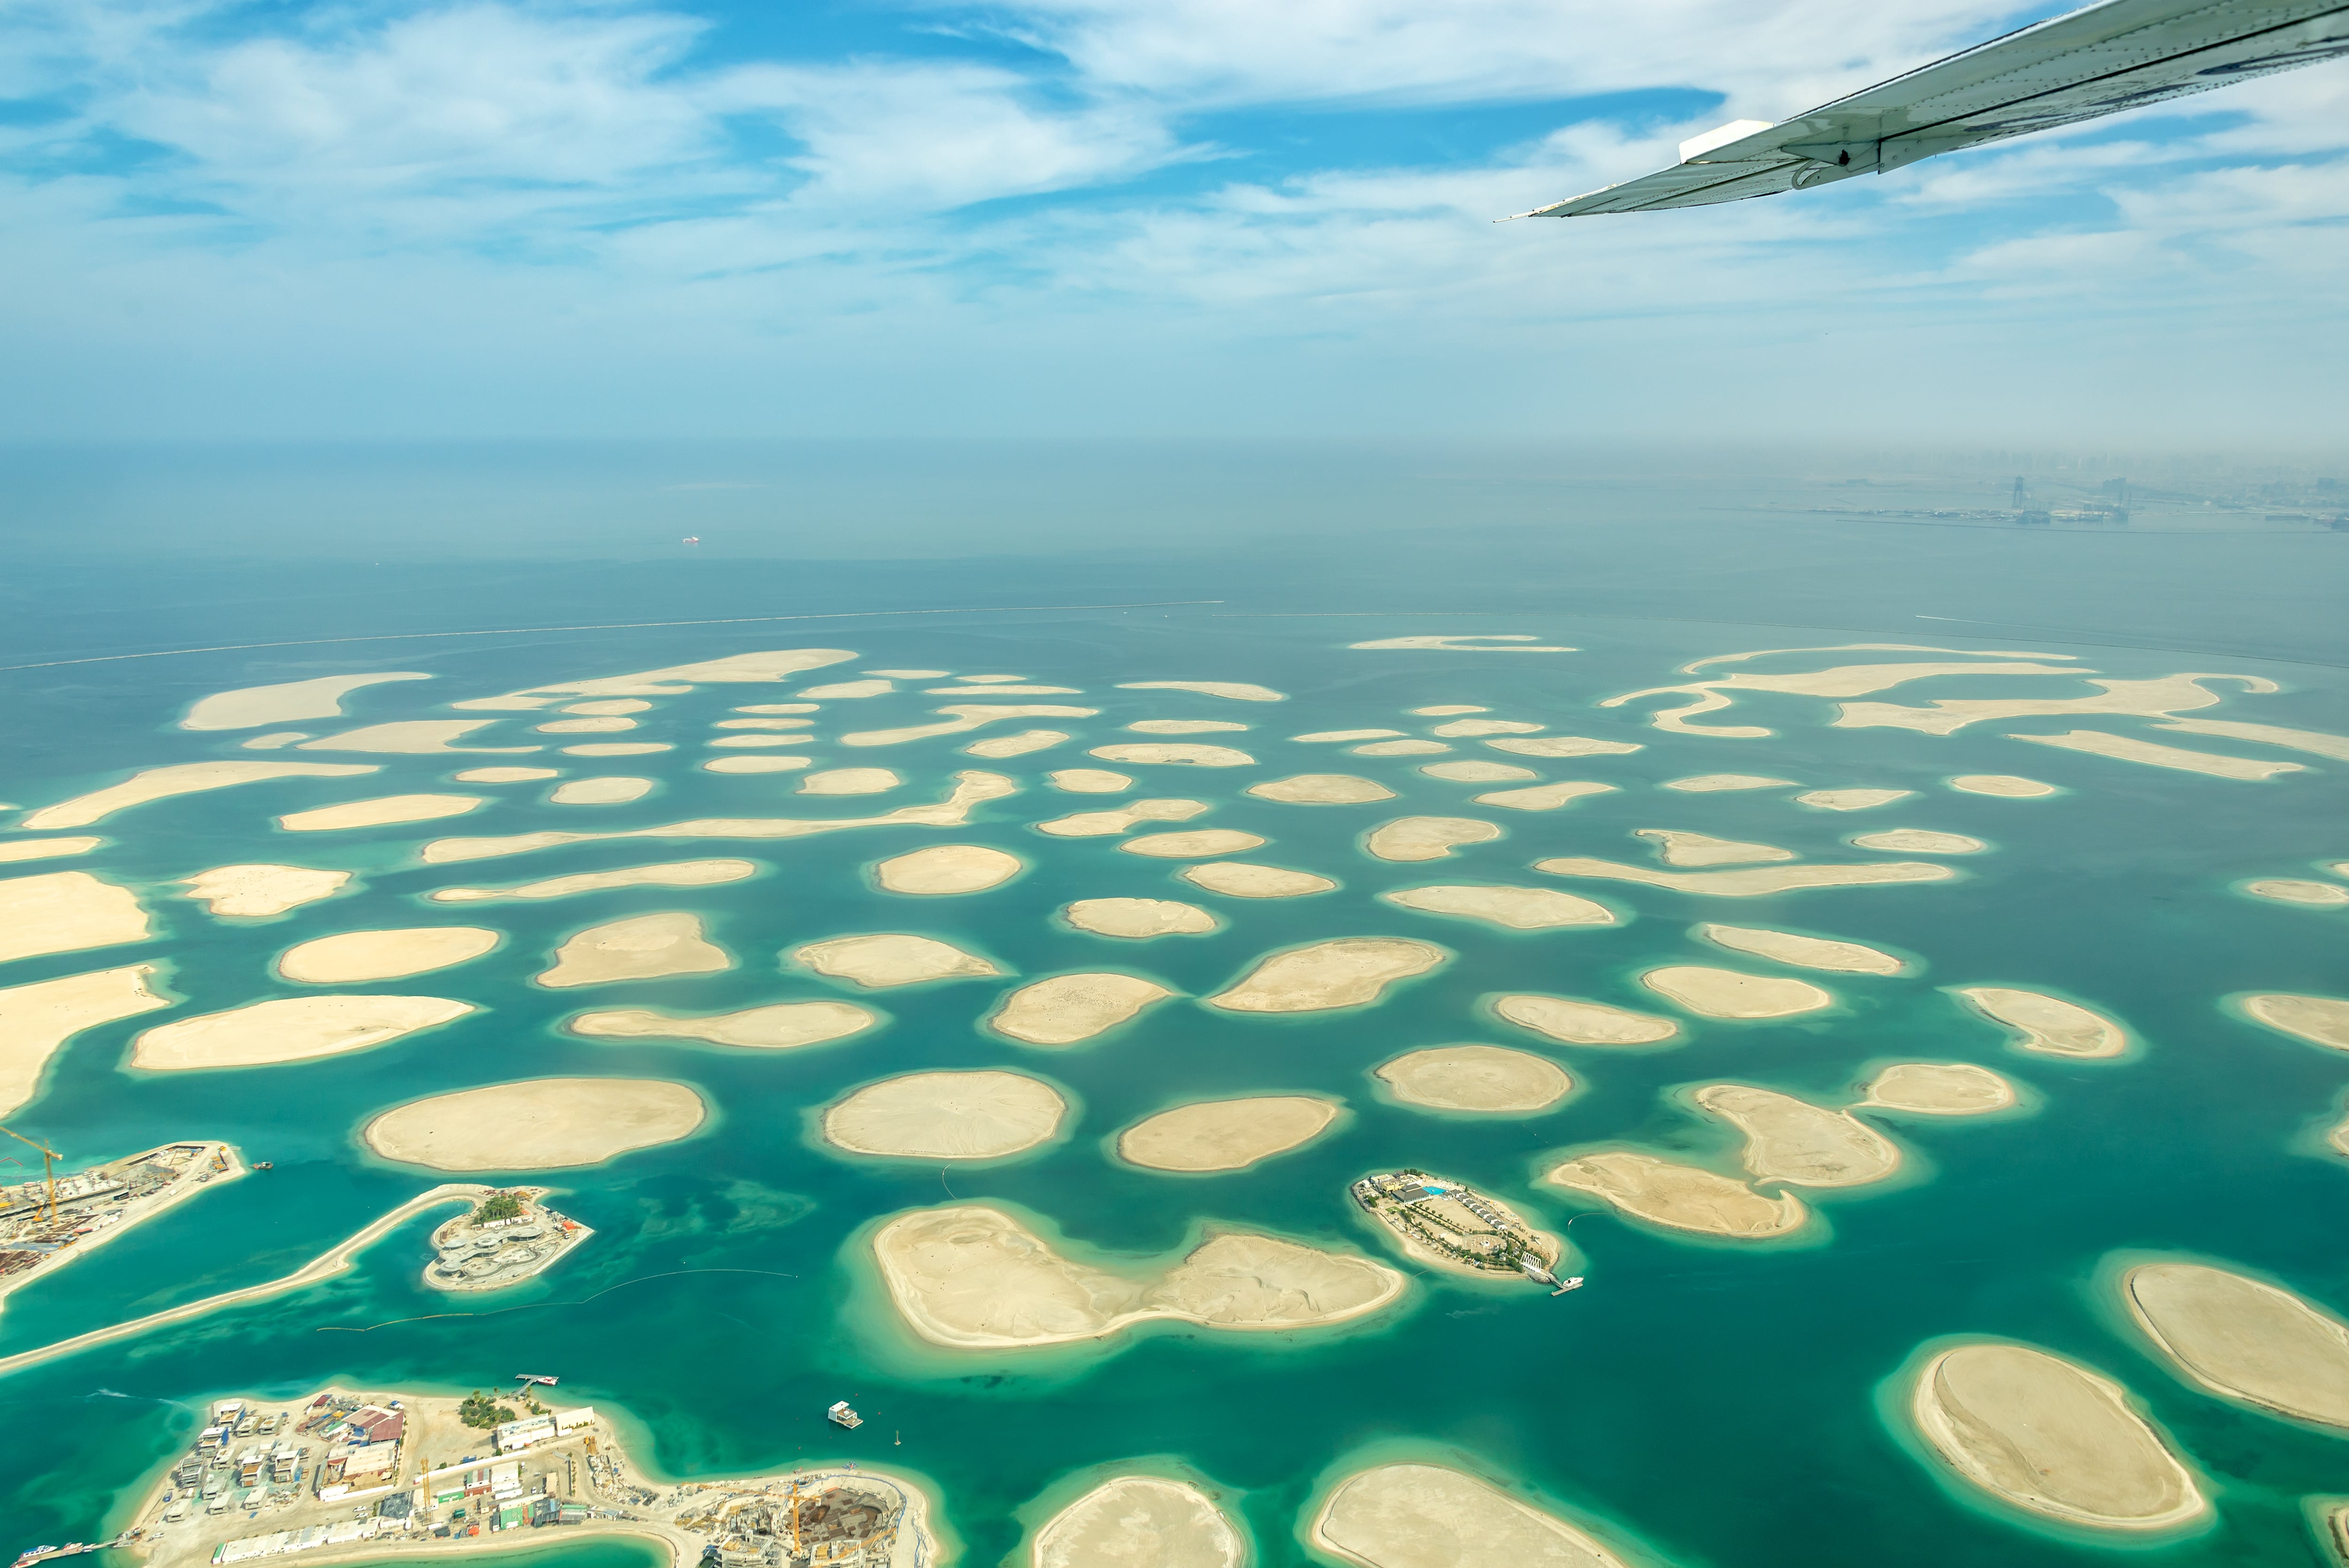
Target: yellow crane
(49, 1157)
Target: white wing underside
(2117, 55)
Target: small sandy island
(849, 781)
(1102, 824)
(1679, 848)
(1754, 882)
(290, 1029)
(947, 1116)
(972, 1277)
(1565, 746)
(1241, 878)
(1580, 1023)
(1236, 691)
(354, 957)
(1138, 917)
(1430, 1516)
(644, 947)
(615, 790)
(47, 848)
(1727, 994)
(2126, 749)
(1492, 1080)
(1183, 726)
(1400, 748)
(1518, 908)
(1937, 1089)
(1798, 1144)
(1851, 800)
(1089, 781)
(670, 874)
(1174, 753)
(1067, 1008)
(1321, 790)
(2006, 784)
(36, 1019)
(1427, 838)
(1477, 773)
(948, 869)
(780, 1026)
(2047, 1026)
(504, 775)
(1139, 1521)
(249, 708)
(1709, 783)
(1351, 972)
(254, 893)
(1017, 745)
(2243, 1339)
(64, 911)
(2319, 1020)
(537, 1124)
(1542, 796)
(1801, 952)
(180, 778)
(1918, 842)
(755, 764)
(2292, 890)
(1197, 844)
(1460, 727)
(1681, 1197)
(1225, 1134)
(892, 959)
(2051, 1437)
(383, 811)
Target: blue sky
(1118, 217)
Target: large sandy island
(290, 1029)
(2048, 1026)
(47, 848)
(251, 893)
(180, 778)
(1102, 824)
(1542, 796)
(382, 812)
(1801, 952)
(1709, 783)
(1937, 1089)
(948, 869)
(1518, 908)
(2009, 785)
(1321, 790)
(2244, 1339)
(1681, 1197)
(1197, 844)
(1429, 1516)
(36, 1019)
(1753, 881)
(1176, 753)
(1139, 1521)
(1679, 848)
(642, 947)
(250, 708)
(1138, 917)
(62, 911)
(1728, 994)
(1351, 972)
(2053, 1437)
(354, 957)
(2319, 1020)
(1798, 1144)
(1067, 1008)
(971, 1277)
(1491, 1079)
(1580, 1023)
(780, 1026)
(947, 1116)
(1427, 838)
(2125, 749)
(537, 1124)
(1225, 1134)
(892, 959)
(670, 874)
(1241, 878)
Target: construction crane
(49, 1157)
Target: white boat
(1571, 1281)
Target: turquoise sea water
(1703, 1403)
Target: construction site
(49, 1221)
(1453, 1227)
(501, 1241)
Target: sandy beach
(536, 1124)
(1138, 918)
(1576, 1022)
(254, 892)
(2243, 1339)
(1728, 994)
(1225, 1134)
(1139, 1521)
(354, 957)
(1800, 1144)
(38, 1018)
(782, 1026)
(891, 959)
(2290, 890)
(768, 764)
(1488, 1080)
(1067, 1008)
(2047, 1026)
(945, 869)
(1801, 952)
(1517, 908)
(1564, 746)
(1349, 971)
(1242, 879)
(947, 1116)
(669, 873)
(1681, 1197)
(289, 1029)
(1431, 1516)
(64, 911)
(1321, 790)
(960, 719)
(1937, 1089)
(1185, 726)
(1474, 726)
(1427, 838)
(180, 778)
(642, 947)
(1400, 748)
(429, 737)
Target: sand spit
(971, 1277)
(47, 848)
(2244, 1339)
(1490, 1079)
(382, 812)
(2283, 889)
(2012, 785)
(1240, 879)
(1427, 838)
(1139, 1521)
(2217, 765)
(1850, 799)
(1238, 691)
(1101, 824)
(1349, 971)
(1198, 844)
(2047, 1026)
(2053, 1437)
(1681, 1197)
(1754, 882)
(420, 737)
(355, 957)
(755, 764)
(1518, 908)
(1801, 952)
(250, 708)
(1225, 1134)
(182, 779)
(62, 911)
(948, 869)
(1477, 773)
(1542, 796)
(38, 1018)
(891, 959)
(782, 1026)
(1576, 1022)
(1321, 790)
(1678, 848)
(672, 873)
(1469, 727)
(2319, 1020)
(1067, 1008)
(1138, 917)
(1937, 1089)
(614, 792)
(1793, 1141)
(1726, 994)
(970, 789)
(1089, 781)
(1331, 737)
(849, 781)
(947, 1116)
(1183, 727)
(1400, 748)
(1430, 1516)
(504, 775)
(1918, 842)
(1019, 745)
(291, 1029)
(1190, 755)
(250, 892)
(537, 1124)
(960, 718)
(642, 947)
(1709, 783)
(1565, 746)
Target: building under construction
(846, 1524)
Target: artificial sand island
(180, 778)
(1576, 1022)
(1201, 843)
(1174, 753)
(1243, 879)
(1754, 882)
(1017, 745)
(1068, 1008)
(1851, 800)
(1681, 1197)
(947, 1116)
(2011, 786)
(1477, 773)
(1474, 726)
(1712, 783)
(2319, 1020)
(1102, 824)
(948, 869)
(382, 812)
(2243, 1339)
(64, 911)
(1542, 796)
(1321, 790)
(892, 959)
(289, 1029)
(1793, 1141)
(1431, 1516)
(1517, 908)
(1139, 1521)
(2292, 890)
(1680, 848)
(849, 781)
(1225, 1134)
(1089, 781)
(2046, 1026)
(1183, 726)
(36, 1019)
(1236, 691)
(1427, 838)
(973, 1277)
(1937, 1089)
(642, 947)
(782, 1025)
(1349, 971)
(504, 775)
(1138, 918)
(1801, 952)
(536, 1124)
(962, 717)
(1918, 842)
(47, 848)
(1565, 746)
(611, 791)
(257, 892)
(285, 702)
(1486, 1080)
(670, 874)
(1726, 994)
(354, 957)
(2126, 749)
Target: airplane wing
(2107, 58)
